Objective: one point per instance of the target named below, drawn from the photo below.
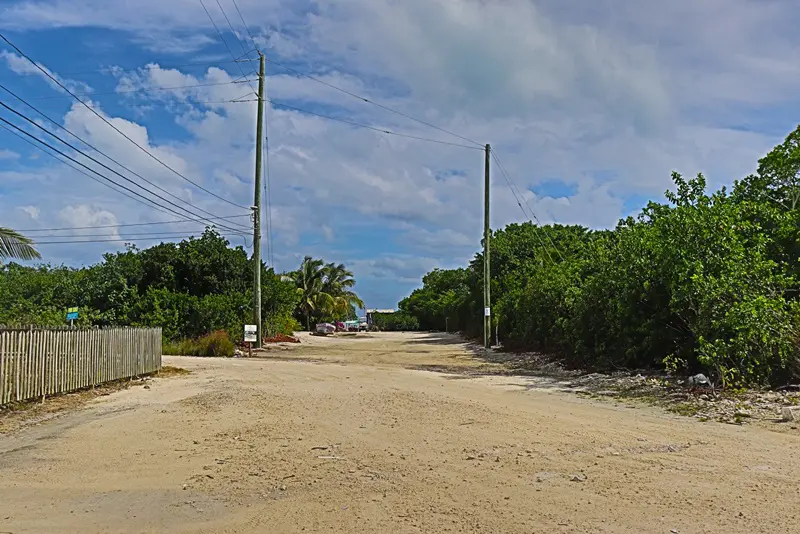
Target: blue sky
(590, 105)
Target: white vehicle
(326, 328)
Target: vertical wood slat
(35, 363)
(3, 370)
(54, 364)
(20, 365)
(42, 369)
(23, 366)
(3, 373)
(17, 363)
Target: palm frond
(16, 245)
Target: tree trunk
(308, 321)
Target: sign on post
(487, 312)
(250, 333)
(72, 314)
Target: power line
(181, 221)
(510, 181)
(155, 65)
(34, 108)
(374, 128)
(382, 106)
(232, 30)
(268, 190)
(140, 90)
(252, 39)
(109, 235)
(54, 149)
(68, 164)
(267, 186)
(84, 154)
(121, 240)
(265, 170)
(234, 101)
(237, 61)
(90, 108)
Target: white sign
(250, 333)
(487, 312)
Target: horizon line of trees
(706, 282)
(190, 289)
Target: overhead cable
(54, 149)
(374, 128)
(84, 154)
(57, 124)
(154, 223)
(368, 101)
(511, 186)
(99, 115)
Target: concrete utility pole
(257, 205)
(487, 306)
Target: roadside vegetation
(199, 291)
(705, 282)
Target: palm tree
(16, 245)
(310, 281)
(324, 289)
(338, 283)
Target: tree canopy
(703, 282)
(191, 288)
(325, 291)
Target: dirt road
(356, 441)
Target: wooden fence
(39, 362)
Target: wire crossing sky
(589, 109)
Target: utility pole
(257, 205)
(487, 305)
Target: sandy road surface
(359, 443)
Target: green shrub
(703, 283)
(281, 324)
(216, 344)
(395, 322)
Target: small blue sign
(72, 314)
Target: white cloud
(328, 232)
(6, 154)
(20, 65)
(398, 268)
(32, 211)
(608, 97)
(82, 215)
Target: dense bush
(705, 282)
(281, 324)
(189, 289)
(395, 322)
(216, 344)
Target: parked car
(326, 328)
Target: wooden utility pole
(257, 205)
(487, 305)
